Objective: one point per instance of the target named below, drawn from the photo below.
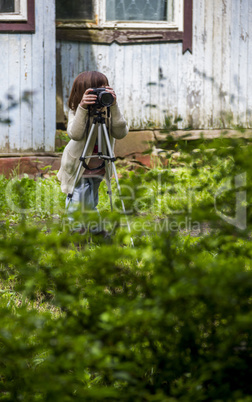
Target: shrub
(167, 320)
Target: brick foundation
(32, 165)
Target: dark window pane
(137, 10)
(74, 9)
(7, 6)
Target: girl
(81, 109)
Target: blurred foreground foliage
(167, 320)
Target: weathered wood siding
(208, 89)
(28, 64)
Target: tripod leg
(113, 164)
(99, 139)
(69, 196)
(115, 174)
(108, 182)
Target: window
(13, 10)
(17, 16)
(125, 21)
(75, 10)
(143, 13)
(133, 10)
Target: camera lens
(106, 98)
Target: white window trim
(178, 24)
(20, 14)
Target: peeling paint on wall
(28, 71)
(156, 80)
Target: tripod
(102, 135)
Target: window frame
(24, 21)
(98, 31)
(176, 25)
(20, 15)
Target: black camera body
(104, 98)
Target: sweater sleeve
(118, 127)
(76, 123)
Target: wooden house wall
(207, 89)
(28, 64)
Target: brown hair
(83, 81)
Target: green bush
(167, 320)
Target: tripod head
(98, 114)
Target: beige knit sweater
(76, 131)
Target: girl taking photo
(82, 108)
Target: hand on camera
(88, 98)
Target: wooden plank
(172, 80)
(83, 56)
(107, 36)
(154, 89)
(99, 60)
(74, 62)
(164, 90)
(116, 75)
(65, 66)
(92, 57)
(136, 85)
(234, 60)
(127, 75)
(197, 89)
(118, 54)
(249, 64)
(243, 59)
(217, 62)
(86, 57)
(4, 79)
(185, 68)
(112, 55)
(60, 117)
(70, 69)
(49, 75)
(102, 63)
(146, 80)
(38, 143)
(226, 59)
(26, 93)
(208, 67)
(167, 93)
(14, 87)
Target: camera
(104, 98)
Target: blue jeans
(85, 198)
